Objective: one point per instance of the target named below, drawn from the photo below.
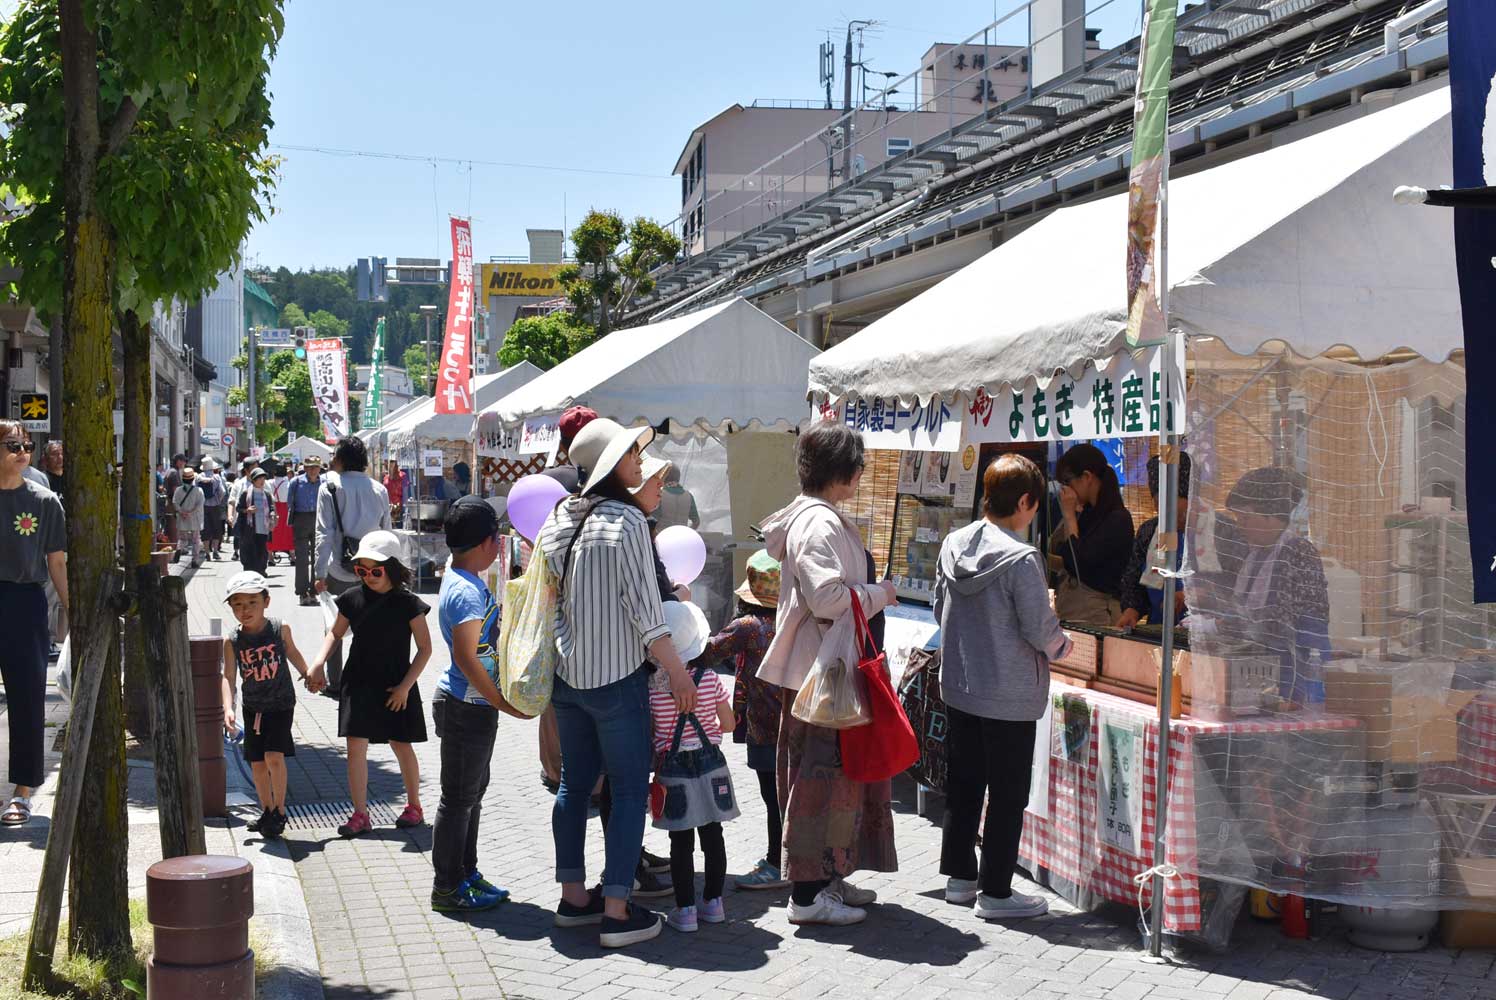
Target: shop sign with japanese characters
(891, 425)
(1121, 400)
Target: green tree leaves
(613, 265)
(544, 341)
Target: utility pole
(847, 105)
(428, 311)
(252, 420)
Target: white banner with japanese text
(454, 385)
(1120, 400)
(498, 441)
(324, 361)
(895, 426)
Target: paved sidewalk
(376, 936)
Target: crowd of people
(637, 691)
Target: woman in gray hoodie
(998, 635)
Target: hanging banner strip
(324, 361)
(893, 426)
(1120, 400)
(455, 376)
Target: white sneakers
(961, 890)
(1015, 906)
(829, 908)
(850, 894)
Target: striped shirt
(709, 694)
(611, 609)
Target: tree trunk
(137, 489)
(179, 801)
(100, 921)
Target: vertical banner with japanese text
(454, 382)
(1147, 195)
(1472, 85)
(373, 410)
(324, 361)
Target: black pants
(768, 790)
(304, 531)
(467, 733)
(23, 668)
(254, 551)
(683, 858)
(987, 758)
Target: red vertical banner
(454, 382)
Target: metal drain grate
(330, 815)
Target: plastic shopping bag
(525, 667)
(834, 693)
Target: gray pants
(304, 530)
(336, 588)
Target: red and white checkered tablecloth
(1476, 761)
(1069, 844)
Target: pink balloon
(530, 503)
(683, 552)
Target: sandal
(411, 817)
(17, 812)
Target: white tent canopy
(1300, 243)
(367, 434)
(303, 448)
(421, 422)
(729, 362)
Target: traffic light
(300, 333)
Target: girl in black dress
(379, 701)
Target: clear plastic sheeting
(701, 463)
(1340, 679)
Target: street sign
(277, 336)
(210, 439)
(233, 422)
(35, 415)
(228, 439)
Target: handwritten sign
(1119, 795)
(540, 436)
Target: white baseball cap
(246, 582)
(380, 546)
(688, 629)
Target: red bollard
(199, 907)
(207, 696)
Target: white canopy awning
(730, 362)
(303, 448)
(421, 422)
(1300, 243)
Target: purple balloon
(530, 503)
(683, 552)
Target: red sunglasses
(363, 571)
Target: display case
(920, 524)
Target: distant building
(509, 286)
(398, 388)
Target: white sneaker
(961, 890)
(828, 908)
(1016, 905)
(850, 894)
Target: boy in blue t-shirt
(466, 709)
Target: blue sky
(593, 86)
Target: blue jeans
(602, 729)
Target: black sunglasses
(16, 447)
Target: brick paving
(376, 937)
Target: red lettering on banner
(454, 379)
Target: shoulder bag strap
(566, 559)
(336, 513)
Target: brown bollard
(199, 907)
(207, 696)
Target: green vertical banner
(374, 401)
(1148, 183)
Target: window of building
(898, 147)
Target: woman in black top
(1094, 539)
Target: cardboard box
(1467, 929)
(1402, 729)
(1475, 878)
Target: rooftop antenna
(828, 67)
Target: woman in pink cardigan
(833, 826)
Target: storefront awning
(730, 362)
(421, 422)
(1300, 243)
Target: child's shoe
(259, 822)
(712, 911)
(484, 887)
(763, 876)
(274, 825)
(411, 817)
(358, 824)
(683, 918)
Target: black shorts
(268, 732)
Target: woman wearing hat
(610, 617)
(188, 500)
(257, 518)
(833, 825)
(215, 504)
(1277, 597)
(755, 703)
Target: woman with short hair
(833, 826)
(1094, 537)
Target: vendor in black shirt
(1094, 539)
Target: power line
(419, 158)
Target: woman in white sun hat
(597, 543)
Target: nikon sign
(533, 280)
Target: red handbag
(886, 746)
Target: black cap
(470, 522)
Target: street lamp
(428, 312)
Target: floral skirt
(833, 826)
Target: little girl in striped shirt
(689, 633)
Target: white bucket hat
(688, 629)
(600, 445)
(380, 546)
(651, 468)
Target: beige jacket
(822, 561)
